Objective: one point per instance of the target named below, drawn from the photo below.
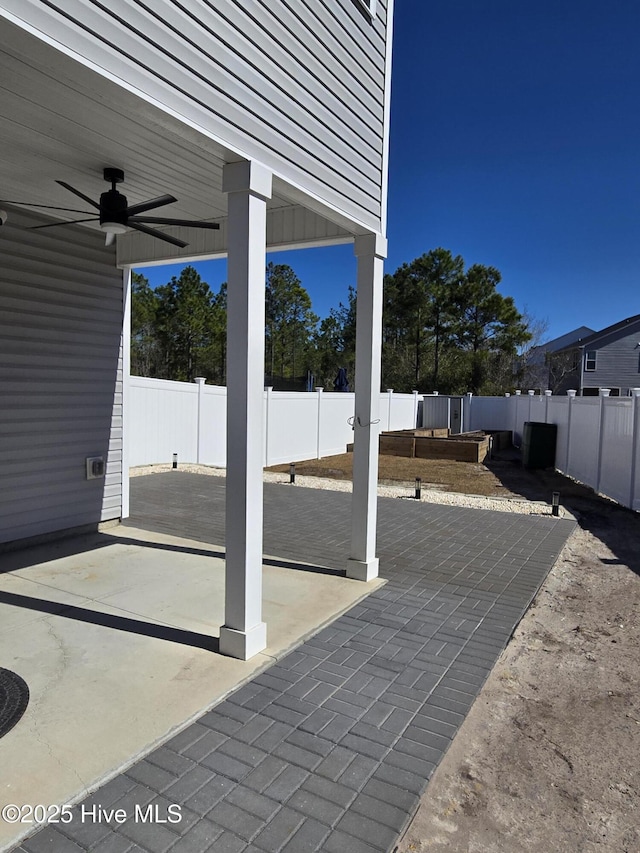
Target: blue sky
(515, 142)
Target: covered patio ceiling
(65, 121)
(66, 118)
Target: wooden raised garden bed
(423, 444)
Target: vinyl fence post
(635, 445)
(267, 420)
(319, 443)
(200, 380)
(390, 395)
(604, 392)
(515, 418)
(547, 395)
(415, 409)
(572, 398)
(507, 397)
(465, 418)
(531, 396)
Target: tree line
(445, 328)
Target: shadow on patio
(116, 635)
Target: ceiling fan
(115, 215)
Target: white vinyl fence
(598, 440)
(190, 420)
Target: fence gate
(455, 416)
(443, 412)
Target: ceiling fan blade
(109, 239)
(159, 234)
(65, 222)
(79, 194)
(188, 223)
(45, 206)
(149, 205)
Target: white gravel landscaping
(501, 504)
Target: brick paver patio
(330, 748)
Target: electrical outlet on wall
(95, 467)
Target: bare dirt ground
(549, 757)
(460, 477)
(548, 760)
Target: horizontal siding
(617, 364)
(60, 378)
(297, 84)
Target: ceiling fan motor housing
(113, 205)
(113, 208)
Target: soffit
(63, 121)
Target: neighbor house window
(590, 360)
(368, 5)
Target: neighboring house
(606, 359)
(534, 366)
(265, 116)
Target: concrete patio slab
(330, 747)
(117, 643)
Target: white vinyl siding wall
(296, 84)
(60, 378)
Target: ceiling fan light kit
(116, 216)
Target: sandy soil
(549, 757)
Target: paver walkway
(331, 747)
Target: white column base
(243, 644)
(363, 570)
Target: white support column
(126, 392)
(415, 409)
(370, 249)
(248, 185)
